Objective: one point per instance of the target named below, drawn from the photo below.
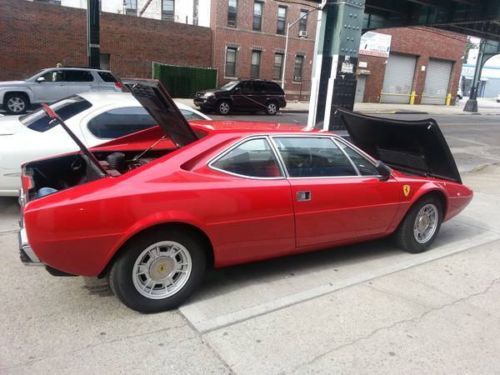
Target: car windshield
(229, 85)
(66, 108)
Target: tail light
(119, 85)
(27, 182)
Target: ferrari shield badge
(406, 190)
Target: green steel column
(335, 61)
(93, 37)
(487, 49)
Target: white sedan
(94, 117)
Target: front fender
(6, 90)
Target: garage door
(398, 79)
(437, 80)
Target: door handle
(303, 196)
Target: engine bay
(52, 175)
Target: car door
(241, 96)
(335, 201)
(47, 87)
(253, 218)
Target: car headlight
(208, 95)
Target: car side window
(260, 87)
(53, 76)
(365, 167)
(78, 76)
(119, 122)
(313, 157)
(245, 87)
(253, 158)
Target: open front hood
(413, 146)
(154, 97)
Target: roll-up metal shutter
(437, 80)
(398, 79)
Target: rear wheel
(421, 225)
(272, 108)
(158, 271)
(16, 103)
(224, 107)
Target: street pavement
(363, 309)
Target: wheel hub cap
(426, 223)
(162, 270)
(15, 104)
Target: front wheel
(16, 104)
(158, 271)
(421, 225)
(224, 107)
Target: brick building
(249, 42)
(423, 61)
(36, 35)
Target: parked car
(154, 209)
(50, 85)
(95, 117)
(250, 95)
(498, 98)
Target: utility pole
(93, 37)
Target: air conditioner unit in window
(302, 34)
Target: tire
(418, 231)
(16, 103)
(223, 107)
(140, 275)
(272, 108)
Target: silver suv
(50, 85)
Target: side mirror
(40, 79)
(383, 170)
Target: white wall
(183, 9)
(110, 6)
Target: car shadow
(225, 280)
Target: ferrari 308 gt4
(153, 210)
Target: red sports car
(154, 209)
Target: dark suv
(249, 95)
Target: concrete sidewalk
(486, 107)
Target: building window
(278, 66)
(232, 13)
(167, 10)
(303, 22)
(230, 70)
(255, 67)
(280, 29)
(257, 15)
(130, 7)
(299, 66)
(195, 12)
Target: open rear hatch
(50, 175)
(417, 147)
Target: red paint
(78, 230)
